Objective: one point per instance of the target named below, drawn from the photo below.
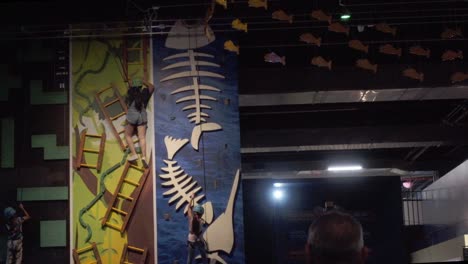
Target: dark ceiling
(407, 124)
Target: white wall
(446, 200)
(446, 251)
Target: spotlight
(278, 194)
(407, 184)
(277, 184)
(345, 14)
(345, 168)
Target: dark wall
(21, 64)
(276, 232)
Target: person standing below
(137, 99)
(195, 239)
(14, 228)
(336, 238)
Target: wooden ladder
(132, 199)
(127, 248)
(142, 50)
(82, 150)
(112, 119)
(93, 247)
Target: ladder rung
(119, 211)
(91, 150)
(131, 182)
(100, 92)
(81, 250)
(92, 135)
(125, 196)
(117, 116)
(88, 166)
(122, 131)
(111, 102)
(112, 226)
(136, 249)
(136, 167)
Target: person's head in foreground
(335, 238)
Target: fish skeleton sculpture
(219, 235)
(198, 117)
(182, 184)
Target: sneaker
(132, 158)
(145, 164)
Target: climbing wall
(112, 200)
(197, 143)
(34, 136)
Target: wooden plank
(137, 195)
(116, 192)
(101, 152)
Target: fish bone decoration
(196, 137)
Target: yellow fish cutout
(258, 3)
(230, 46)
(223, 3)
(237, 24)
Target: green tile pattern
(53, 233)
(51, 150)
(39, 97)
(59, 193)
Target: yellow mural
(112, 198)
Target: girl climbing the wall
(195, 239)
(14, 228)
(137, 99)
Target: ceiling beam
(349, 138)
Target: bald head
(336, 238)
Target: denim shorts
(136, 118)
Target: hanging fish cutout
(321, 62)
(338, 28)
(237, 24)
(310, 39)
(459, 77)
(420, 51)
(412, 73)
(358, 45)
(390, 50)
(274, 58)
(223, 3)
(282, 16)
(321, 16)
(450, 33)
(258, 3)
(385, 28)
(230, 46)
(366, 65)
(449, 55)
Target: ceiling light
(345, 14)
(277, 184)
(407, 184)
(278, 194)
(345, 168)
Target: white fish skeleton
(198, 117)
(219, 234)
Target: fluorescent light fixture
(277, 184)
(345, 168)
(278, 194)
(345, 16)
